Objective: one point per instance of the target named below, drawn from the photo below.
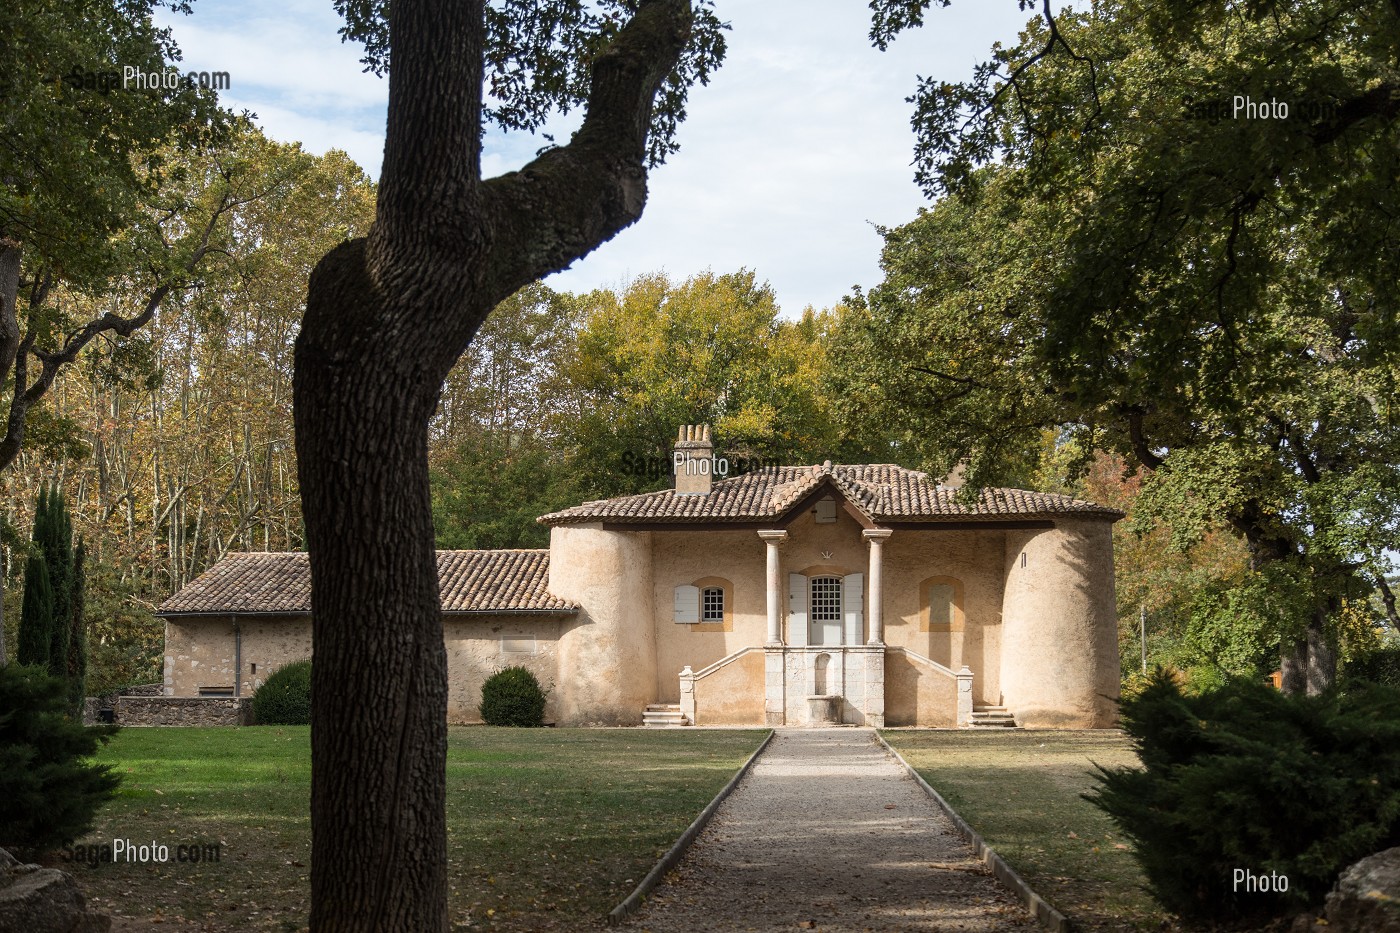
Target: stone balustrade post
(964, 697)
(688, 694)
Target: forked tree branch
(573, 198)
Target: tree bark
(386, 318)
(1293, 665)
(1322, 656)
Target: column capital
(776, 534)
(874, 534)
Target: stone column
(775, 585)
(876, 537)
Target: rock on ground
(43, 900)
(1367, 896)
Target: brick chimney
(692, 460)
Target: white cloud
(797, 147)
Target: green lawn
(1020, 791)
(547, 828)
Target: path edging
(673, 855)
(1040, 908)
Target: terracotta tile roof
(885, 492)
(471, 581)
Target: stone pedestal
(774, 686)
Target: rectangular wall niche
(517, 644)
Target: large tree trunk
(1322, 656)
(379, 703)
(386, 318)
(1293, 665)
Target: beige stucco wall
(917, 695)
(199, 651)
(1059, 626)
(476, 649)
(975, 559)
(607, 653)
(680, 558)
(732, 695)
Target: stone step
(662, 715)
(992, 717)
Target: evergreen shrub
(512, 697)
(1381, 666)
(49, 790)
(1246, 778)
(284, 699)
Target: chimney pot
(692, 461)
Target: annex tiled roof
(471, 581)
(885, 492)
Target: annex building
(787, 596)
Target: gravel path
(828, 832)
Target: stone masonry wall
(184, 711)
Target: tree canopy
(1210, 295)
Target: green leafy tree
(1211, 298)
(125, 641)
(709, 350)
(387, 316)
(49, 787)
(87, 207)
(36, 618)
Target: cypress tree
(57, 543)
(77, 642)
(36, 616)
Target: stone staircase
(992, 717)
(661, 715)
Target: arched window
(707, 605)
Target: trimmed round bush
(285, 699)
(512, 697)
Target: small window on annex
(712, 604)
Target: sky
(790, 159)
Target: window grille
(712, 604)
(826, 599)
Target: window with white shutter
(687, 605)
(853, 604)
(797, 610)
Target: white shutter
(797, 610)
(853, 605)
(687, 604)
